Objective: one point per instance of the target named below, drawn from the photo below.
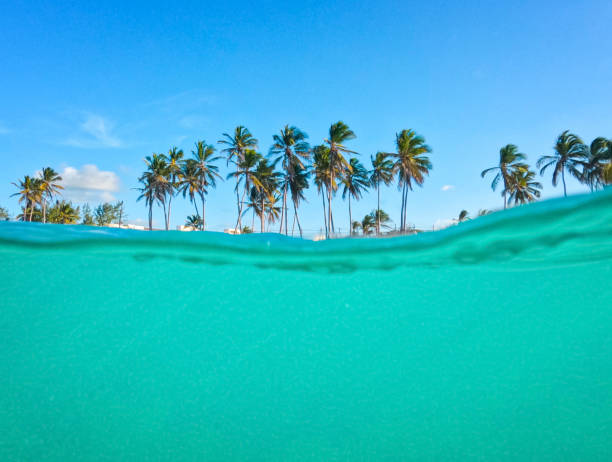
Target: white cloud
(89, 184)
(95, 132)
(447, 187)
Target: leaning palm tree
(571, 154)
(175, 157)
(411, 165)
(30, 193)
(382, 171)
(339, 133)
(49, 184)
(524, 188)
(592, 171)
(320, 172)
(291, 149)
(206, 173)
(237, 143)
(245, 173)
(463, 216)
(356, 182)
(509, 163)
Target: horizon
(138, 89)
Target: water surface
(491, 340)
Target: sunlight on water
(487, 341)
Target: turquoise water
(488, 341)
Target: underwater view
(490, 340)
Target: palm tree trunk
(195, 204)
(402, 209)
(169, 206)
(44, 204)
(563, 178)
(203, 211)
(297, 218)
(280, 230)
(263, 214)
(165, 216)
(329, 214)
(324, 213)
(246, 186)
(284, 210)
(151, 217)
(350, 215)
(405, 202)
(378, 209)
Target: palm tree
(382, 217)
(382, 171)
(570, 154)
(355, 227)
(339, 133)
(64, 213)
(237, 144)
(291, 149)
(264, 190)
(411, 164)
(30, 193)
(175, 157)
(206, 172)
(147, 192)
(509, 163)
(368, 224)
(156, 184)
(320, 171)
(49, 179)
(463, 216)
(194, 222)
(189, 183)
(523, 187)
(592, 171)
(355, 182)
(298, 183)
(245, 173)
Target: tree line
(272, 186)
(590, 164)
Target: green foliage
(194, 221)
(246, 230)
(571, 155)
(4, 214)
(107, 213)
(63, 212)
(88, 218)
(368, 224)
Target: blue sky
(91, 89)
